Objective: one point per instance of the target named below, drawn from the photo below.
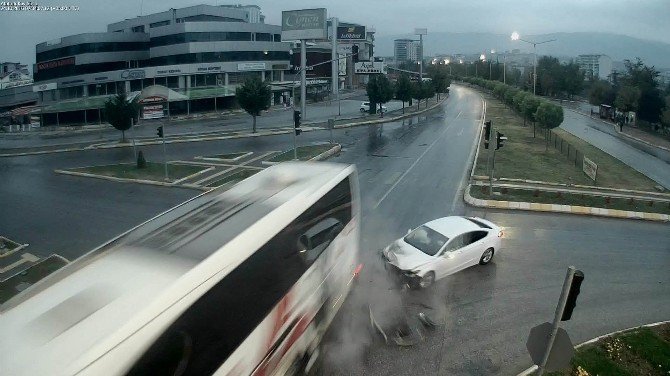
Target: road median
(543, 170)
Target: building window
(263, 37)
(138, 29)
(147, 82)
(136, 85)
(159, 24)
(110, 88)
(173, 82)
(161, 81)
(277, 37)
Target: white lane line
(459, 114)
(460, 133)
(412, 166)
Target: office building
(405, 50)
(595, 66)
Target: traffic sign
(561, 352)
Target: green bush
(141, 162)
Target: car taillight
(358, 269)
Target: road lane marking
(459, 114)
(460, 133)
(26, 257)
(412, 166)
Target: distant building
(13, 75)
(15, 90)
(599, 66)
(406, 50)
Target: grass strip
(153, 171)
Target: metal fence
(571, 152)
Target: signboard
(590, 168)
(304, 24)
(369, 67)
(561, 352)
(421, 31)
(351, 33)
(56, 63)
(250, 66)
(153, 99)
(345, 49)
(342, 66)
(15, 83)
(43, 87)
(153, 111)
(132, 74)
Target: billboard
(342, 66)
(369, 67)
(56, 63)
(351, 33)
(154, 111)
(304, 24)
(250, 66)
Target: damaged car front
(405, 264)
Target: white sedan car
(365, 107)
(442, 247)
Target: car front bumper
(402, 277)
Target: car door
(451, 258)
(474, 246)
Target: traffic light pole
(295, 144)
(557, 318)
(303, 78)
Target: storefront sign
(132, 74)
(168, 71)
(43, 87)
(56, 63)
(368, 67)
(351, 33)
(153, 99)
(250, 66)
(154, 111)
(303, 24)
(208, 69)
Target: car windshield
(426, 240)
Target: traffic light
(500, 138)
(296, 122)
(159, 131)
(571, 302)
(487, 134)
(354, 53)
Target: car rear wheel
(427, 280)
(487, 256)
(362, 110)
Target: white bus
(241, 282)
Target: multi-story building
(200, 53)
(406, 50)
(598, 66)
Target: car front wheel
(487, 256)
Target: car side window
(455, 244)
(473, 237)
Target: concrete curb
(121, 180)
(334, 150)
(569, 209)
(479, 177)
(213, 159)
(530, 370)
(388, 120)
(18, 247)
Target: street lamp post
(421, 32)
(515, 36)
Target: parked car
(442, 247)
(365, 107)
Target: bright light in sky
(515, 36)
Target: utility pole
(303, 77)
(335, 64)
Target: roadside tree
(254, 96)
(379, 91)
(403, 90)
(120, 113)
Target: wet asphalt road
(413, 174)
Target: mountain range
(618, 47)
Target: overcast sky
(646, 19)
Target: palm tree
(120, 112)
